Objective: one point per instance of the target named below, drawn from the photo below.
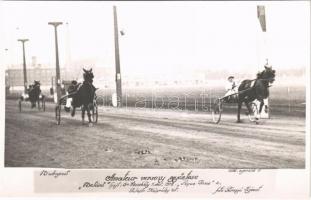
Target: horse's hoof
(90, 124)
(238, 121)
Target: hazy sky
(160, 36)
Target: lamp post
(24, 63)
(117, 59)
(68, 53)
(57, 82)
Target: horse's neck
(263, 82)
(34, 89)
(88, 81)
(266, 83)
(261, 74)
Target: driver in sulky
(71, 90)
(231, 88)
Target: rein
(266, 79)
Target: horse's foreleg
(239, 110)
(73, 111)
(33, 104)
(88, 109)
(83, 113)
(248, 107)
(38, 104)
(261, 106)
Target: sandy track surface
(145, 138)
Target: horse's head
(88, 75)
(36, 83)
(268, 74)
(74, 82)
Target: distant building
(15, 77)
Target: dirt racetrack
(146, 138)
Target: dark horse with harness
(84, 95)
(250, 90)
(34, 92)
(34, 96)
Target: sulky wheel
(253, 116)
(57, 114)
(216, 111)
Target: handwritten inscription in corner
(244, 171)
(128, 181)
(54, 173)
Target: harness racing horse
(250, 90)
(34, 94)
(84, 96)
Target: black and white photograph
(155, 85)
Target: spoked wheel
(253, 116)
(95, 113)
(20, 105)
(57, 114)
(216, 111)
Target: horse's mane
(258, 75)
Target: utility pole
(117, 59)
(261, 15)
(68, 53)
(24, 64)
(57, 82)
